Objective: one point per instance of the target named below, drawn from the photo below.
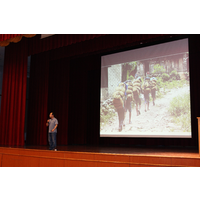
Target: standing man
(52, 123)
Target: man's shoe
(55, 150)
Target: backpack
(118, 96)
(146, 86)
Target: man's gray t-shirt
(52, 124)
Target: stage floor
(158, 151)
(98, 156)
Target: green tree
(127, 68)
(158, 69)
(133, 67)
(165, 77)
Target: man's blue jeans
(52, 140)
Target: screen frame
(140, 46)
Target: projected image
(149, 97)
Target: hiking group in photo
(129, 93)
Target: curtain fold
(4, 37)
(12, 116)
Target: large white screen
(146, 92)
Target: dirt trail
(157, 119)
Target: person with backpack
(153, 89)
(146, 90)
(119, 102)
(128, 100)
(121, 115)
(137, 96)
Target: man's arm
(54, 128)
(47, 124)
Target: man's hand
(47, 124)
(52, 130)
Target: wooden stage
(84, 156)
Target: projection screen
(145, 92)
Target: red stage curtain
(13, 103)
(38, 100)
(37, 45)
(4, 37)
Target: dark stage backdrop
(84, 100)
(68, 88)
(58, 96)
(38, 100)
